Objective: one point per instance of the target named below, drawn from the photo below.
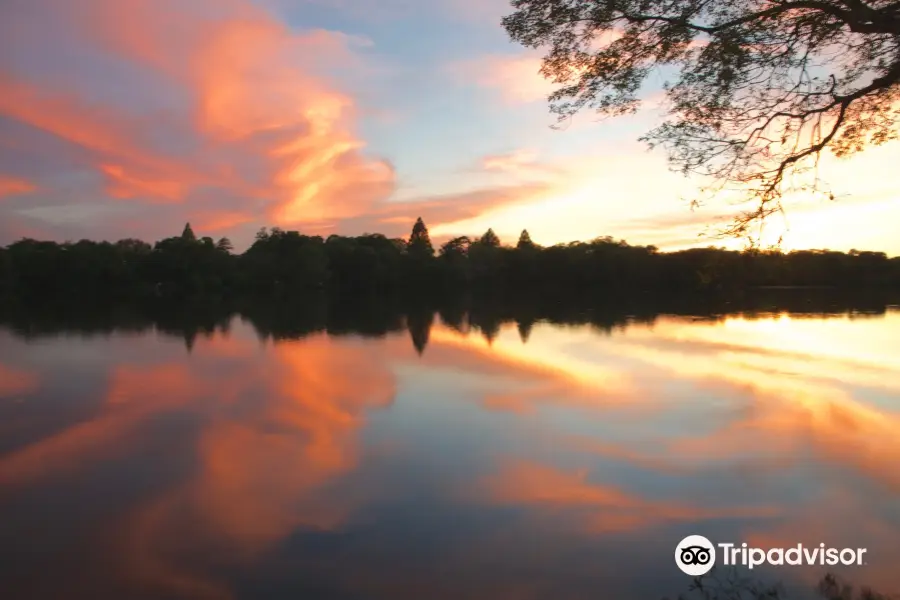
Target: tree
(188, 234)
(454, 256)
(490, 239)
(756, 89)
(525, 326)
(730, 583)
(419, 323)
(419, 241)
(225, 245)
(457, 247)
(133, 246)
(525, 241)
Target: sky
(128, 118)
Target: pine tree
(419, 241)
(525, 329)
(188, 233)
(490, 239)
(525, 241)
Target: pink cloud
(512, 161)
(397, 218)
(523, 164)
(14, 186)
(516, 78)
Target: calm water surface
(550, 462)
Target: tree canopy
(289, 264)
(490, 239)
(525, 240)
(419, 240)
(756, 89)
(188, 234)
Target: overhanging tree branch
(762, 86)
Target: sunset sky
(127, 118)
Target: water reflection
(416, 451)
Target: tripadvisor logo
(695, 555)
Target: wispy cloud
(516, 78)
(201, 96)
(13, 186)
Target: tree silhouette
(490, 239)
(419, 323)
(524, 326)
(758, 89)
(456, 247)
(188, 234)
(190, 339)
(729, 584)
(225, 245)
(419, 244)
(291, 264)
(490, 330)
(525, 241)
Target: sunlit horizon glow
(317, 116)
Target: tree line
(280, 263)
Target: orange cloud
(240, 105)
(124, 185)
(130, 169)
(397, 217)
(220, 221)
(13, 186)
(249, 87)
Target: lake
(440, 454)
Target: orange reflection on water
(534, 373)
(593, 431)
(809, 393)
(264, 461)
(603, 508)
(259, 465)
(270, 430)
(804, 386)
(746, 402)
(14, 382)
(133, 396)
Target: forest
(284, 263)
